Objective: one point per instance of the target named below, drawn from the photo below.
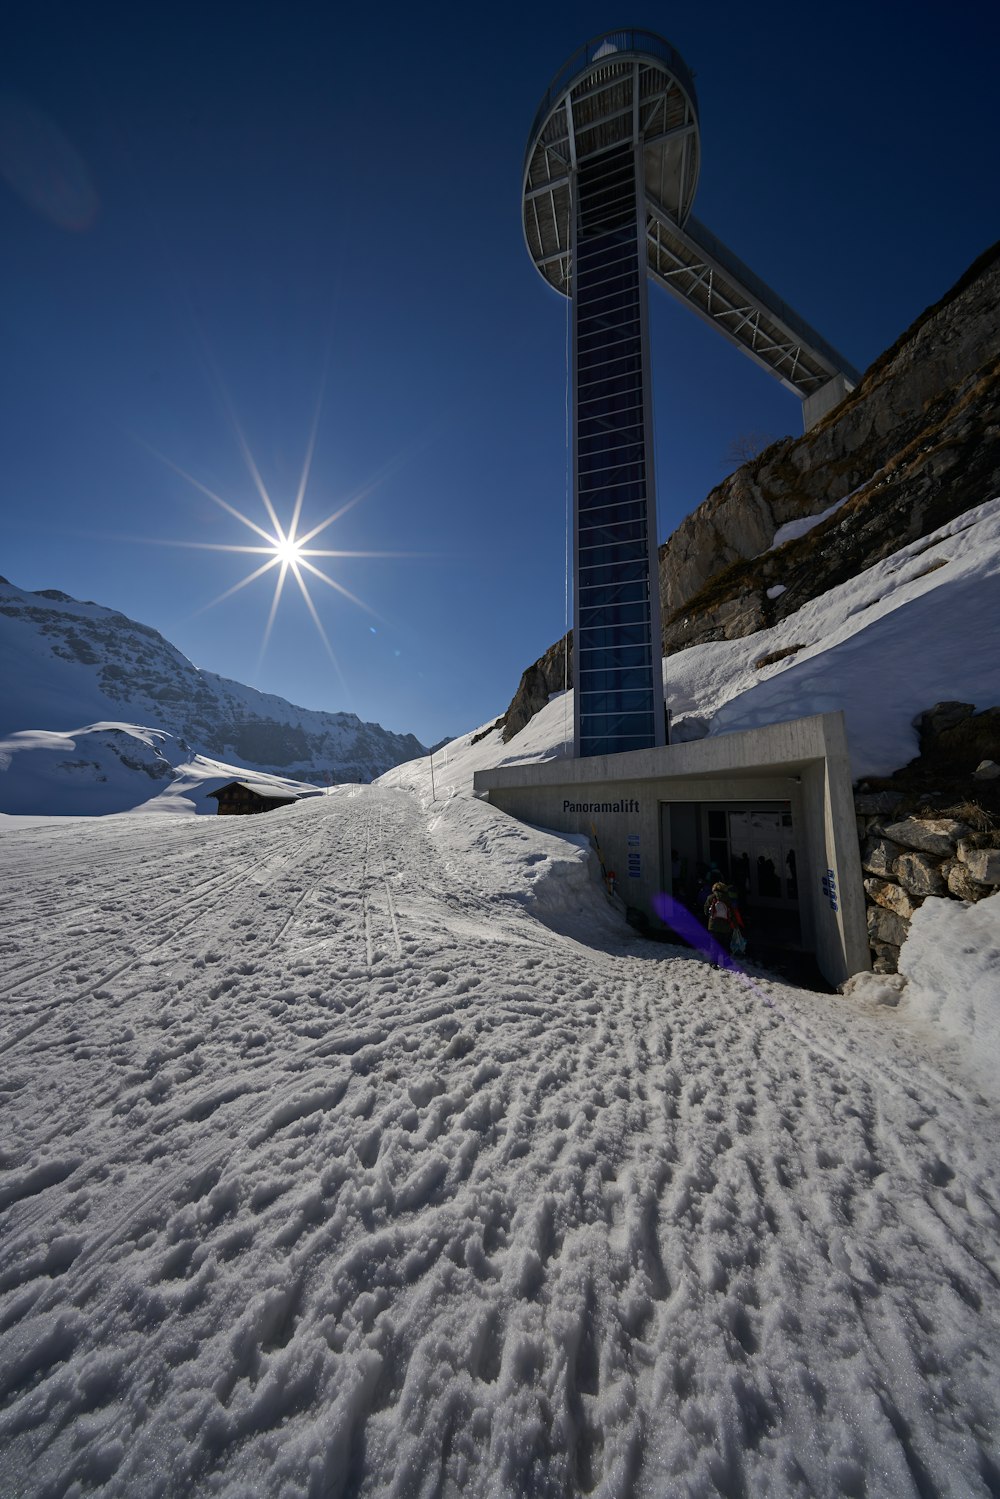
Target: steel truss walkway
(632, 87)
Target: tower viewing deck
(633, 87)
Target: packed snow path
(330, 1169)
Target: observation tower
(609, 178)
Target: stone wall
(908, 849)
(906, 861)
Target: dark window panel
(612, 505)
(612, 680)
(629, 605)
(594, 473)
(624, 617)
(609, 657)
(597, 552)
(615, 384)
(602, 364)
(613, 439)
(617, 745)
(596, 540)
(613, 636)
(619, 591)
(624, 573)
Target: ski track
(334, 1171)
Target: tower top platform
(623, 87)
(632, 88)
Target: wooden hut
(241, 798)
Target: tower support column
(618, 675)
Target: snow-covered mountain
(64, 664)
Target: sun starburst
(286, 550)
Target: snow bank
(915, 629)
(553, 875)
(107, 768)
(92, 771)
(951, 962)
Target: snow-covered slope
(359, 1151)
(105, 768)
(86, 772)
(64, 663)
(916, 629)
(920, 627)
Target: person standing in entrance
(723, 915)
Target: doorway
(753, 846)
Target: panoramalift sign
(626, 806)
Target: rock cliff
(915, 445)
(551, 673)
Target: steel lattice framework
(633, 87)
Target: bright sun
(287, 550)
(284, 550)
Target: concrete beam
(816, 406)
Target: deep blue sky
(251, 194)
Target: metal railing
(625, 45)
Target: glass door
(763, 856)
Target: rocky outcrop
(915, 445)
(931, 829)
(551, 673)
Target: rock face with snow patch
(64, 663)
(916, 444)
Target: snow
(360, 1149)
(951, 961)
(108, 768)
(915, 629)
(63, 662)
(801, 526)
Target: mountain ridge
(66, 662)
